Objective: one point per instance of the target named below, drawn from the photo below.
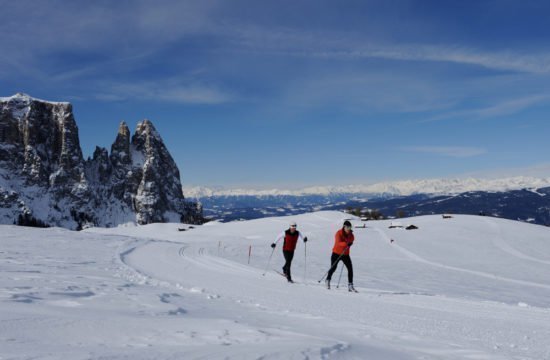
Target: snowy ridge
(463, 288)
(24, 98)
(396, 188)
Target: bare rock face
(41, 162)
(43, 175)
(120, 150)
(47, 137)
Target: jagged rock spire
(159, 187)
(120, 150)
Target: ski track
(419, 259)
(500, 243)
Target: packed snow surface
(467, 287)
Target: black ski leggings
(288, 260)
(334, 263)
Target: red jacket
(290, 240)
(341, 242)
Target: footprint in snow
(178, 311)
(81, 294)
(165, 298)
(28, 298)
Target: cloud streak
(448, 151)
(165, 91)
(154, 31)
(502, 108)
(341, 45)
(512, 61)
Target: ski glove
(349, 244)
(305, 239)
(273, 245)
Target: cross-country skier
(343, 239)
(290, 237)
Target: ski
(283, 275)
(280, 273)
(352, 290)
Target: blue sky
(296, 93)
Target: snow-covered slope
(461, 288)
(395, 188)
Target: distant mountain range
(517, 198)
(394, 188)
(528, 205)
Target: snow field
(462, 288)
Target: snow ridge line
(415, 257)
(499, 242)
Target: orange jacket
(341, 242)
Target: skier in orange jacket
(343, 239)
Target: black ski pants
(334, 264)
(288, 260)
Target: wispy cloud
(367, 91)
(94, 28)
(57, 35)
(508, 60)
(341, 45)
(165, 91)
(449, 151)
(90, 34)
(512, 106)
(502, 108)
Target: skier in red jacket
(291, 237)
(343, 239)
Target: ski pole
(336, 262)
(305, 261)
(268, 261)
(340, 277)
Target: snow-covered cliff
(45, 179)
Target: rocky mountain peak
(145, 125)
(43, 173)
(120, 150)
(146, 132)
(123, 130)
(156, 166)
